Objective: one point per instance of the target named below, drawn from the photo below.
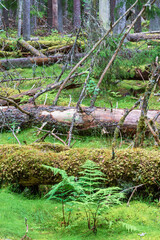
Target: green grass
(44, 220)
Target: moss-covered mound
(22, 164)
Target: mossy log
(12, 54)
(8, 45)
(135, 37)
(30, 61)
(61, 117)
(23, 164)
(30, 48)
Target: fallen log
(23, 164)
(135, 37)
(29, 62)
(30, 48)
(61, 117)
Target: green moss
(50, 147)
(22, 164)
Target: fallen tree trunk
(30, 48)
(61, 117)
(29, 62)
(135, 37)
(23, 164)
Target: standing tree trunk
(137, 25)
(20, 4)
(26, 20)
(49, 14)
(34, 8)
(5, 14)
(60, 16)
(112, 7)
(77, 14)
(155, 21)
(1, 24)
(121, 9)
(104, 13)
(52, 19)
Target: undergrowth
(44, 220)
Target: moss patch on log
(23, 164)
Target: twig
(16, 105)
(135, 189)
(90, 52)
(116, 52)
(12, 130)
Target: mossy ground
(45, 217)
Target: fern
(128, 227)
(88, 191)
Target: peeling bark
(86, 118)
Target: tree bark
(1, 24)
(112, 7)
(60, 16)
(86, 118)
(20, 5)
(26, 20)
(137, 25)
(77, 14)
(135, 37)
(121, 9)
(29, 62)
(155, 20)
(104, 13)
(34, 7)
(31, 49)
(5, 13)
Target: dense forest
(79, 119)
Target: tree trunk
(26, 20)
(121, 9)
(112, 7)
(155, 20)
(31, 49)
(86, 118)
(5, 18)
(1, 24)
(20, 5)
(135, 37)
(49, 14)
(29, 62)
(104, 13)
(34, 8)
(137, 25)
(60, 16)
(77, 14)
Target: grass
(44, 220)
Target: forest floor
(45, 217)
(44, 220)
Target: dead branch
(90, 52)
(116, 52)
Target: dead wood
(29, 62)
(116, 52)
(87, 118)
(36, 92)
(90, 52)
(136, 37)
(27, 46)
